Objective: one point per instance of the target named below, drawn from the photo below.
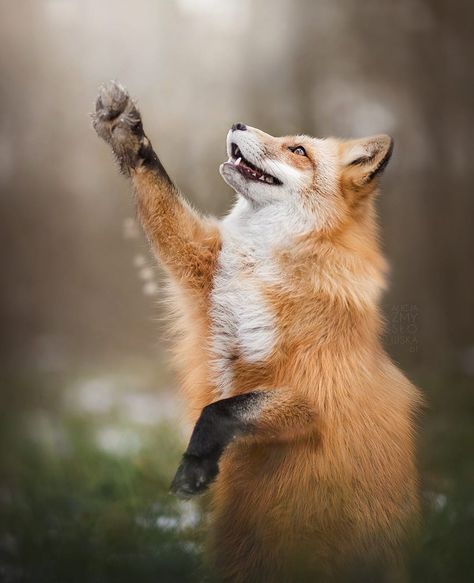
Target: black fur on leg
(218, 425)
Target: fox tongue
(255, 173)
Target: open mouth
(248, 169)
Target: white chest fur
(243, 324)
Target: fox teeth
(237, 162)
(262, 178)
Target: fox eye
(299, 150)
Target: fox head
(323, 181)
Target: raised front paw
(112, 100)
(117, 120)
(194, 475)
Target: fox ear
(365, 159)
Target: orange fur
(326, 482)
(346, 489)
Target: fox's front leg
(186, 243)
(264, 415)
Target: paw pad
(117, 121)
(112, 101)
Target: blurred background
(89, 415)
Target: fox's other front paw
(117, 121)
(194, 475)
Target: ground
(86, 468)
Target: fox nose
(239, 126)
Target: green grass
(71, 510)
(78, 505)
(447, 471)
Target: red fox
(304, 428)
